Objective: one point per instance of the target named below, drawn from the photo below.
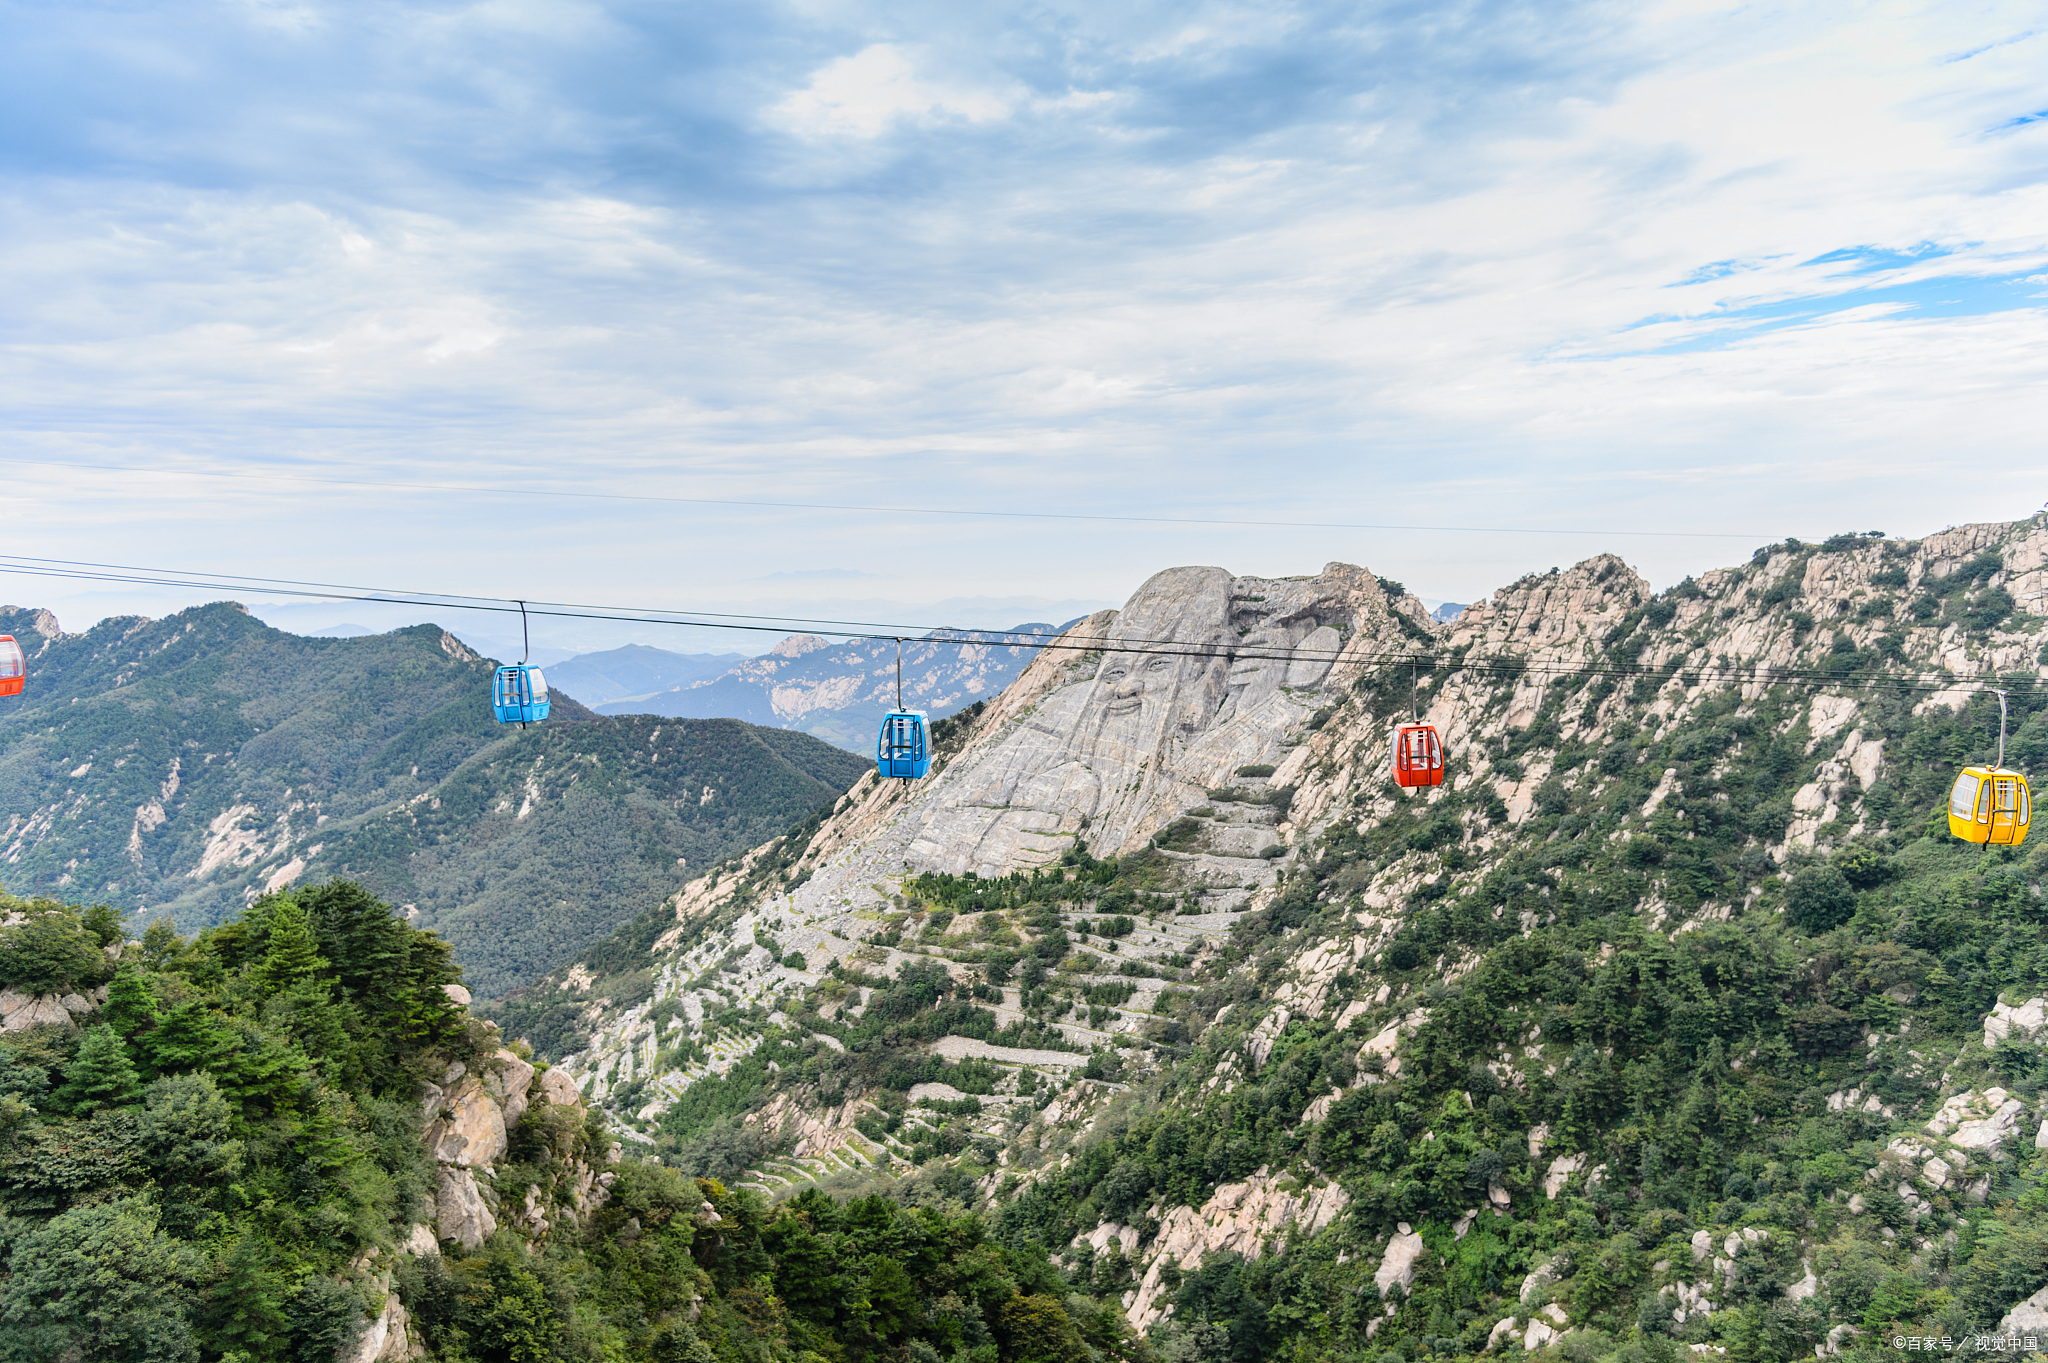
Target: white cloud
(865, 94)
(1206, 265)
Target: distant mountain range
(1447, 612)
(188, 764)
(635, 672)
(839, 691)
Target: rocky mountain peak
(1565, 611)
(797, 645)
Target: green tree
(243, 1310)
(103, 921)
(508, 1305)
(186, 1129)
(183, 1039)
(161, 945)
(131, 1004)
(1819, 898)
(323, 1318)
(1036, 1329)
(49, 951)
(291, 955)
(99, 1282)
(102, 1075)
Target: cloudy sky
(533, 298)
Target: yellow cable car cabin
(1990, 805)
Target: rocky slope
(1152, 905)
(184, 766)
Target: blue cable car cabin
(904, 749)
(519, 693)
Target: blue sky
(1727, 270)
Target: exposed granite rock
(2030, 1317)
(470, 1128)
(1560, 1172)
(1978, 1121)
(2021, 1022)
(1114, 750)
(558, 1086)
(460, 1213)
(388, 1338)
(507, 1082)
(20, 1011)
(1397, 1265)
(1239, 1218)
(1837, 1338)
(819, 1133)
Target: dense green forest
(226, 1155)
(181, 765)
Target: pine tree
(183, 1039)
(101, 1076)
(160, 943)
(292, 955)
(244, 1310)
(131, 1004)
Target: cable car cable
(855, 629)
(1495, 665)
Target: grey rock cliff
(1125, 739)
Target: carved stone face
(1252, 679)
(1128, 678)
(1111, 755)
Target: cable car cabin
(13, 667)
(519, 693)
(1990, 805)
(1418, 756)
(904, 748)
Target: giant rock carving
(1128, 739)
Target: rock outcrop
(470, 1127)
(1242, 1218)
(1397, 1266)
(468, 1133)
(462, 1217)
(1113, 750)
(389, 1337)
(2021, 1022)
(2030, 1317)
(20, 1011)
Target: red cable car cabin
(13, 666)
(1418, 756)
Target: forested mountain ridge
(286, 1139)
(1673, 1020)
(184, 766)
